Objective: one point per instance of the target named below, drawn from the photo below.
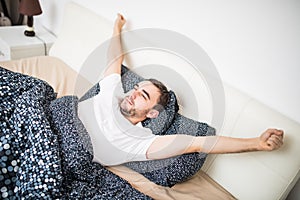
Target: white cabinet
(15, 45)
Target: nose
(133, 95)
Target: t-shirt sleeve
(110, 81)
(140, 143)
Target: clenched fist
(270, 140)
(119, 22)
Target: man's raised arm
(173, 145)
(115, 53)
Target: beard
(128, 110)
(125, 107)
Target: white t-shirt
(115, 140)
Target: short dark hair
(164, 94)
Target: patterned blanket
(44, 151)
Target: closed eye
(145, 94)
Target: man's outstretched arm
(115, 53)
(173, 145)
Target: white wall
(254, 44)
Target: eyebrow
(144, 91)
(146, 94)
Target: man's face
(140, 100)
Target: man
(112, 120)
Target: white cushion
(257, 175)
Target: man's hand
(270, 140)
(119, 23)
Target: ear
(152, 113)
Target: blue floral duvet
(44, 151)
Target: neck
(133, 120)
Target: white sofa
(258, 175)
